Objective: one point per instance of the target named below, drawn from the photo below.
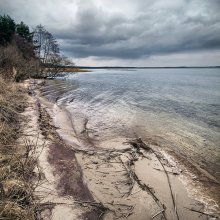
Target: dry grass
(16, 164)
(12, 102)
(13, 64)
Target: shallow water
(178, 108)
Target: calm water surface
(178, 108)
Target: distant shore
(149, 67)
(77, 70)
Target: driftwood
(203, 213)
(168, 180)
(133, 178)
(174, 173)
(129, 174)
(158, 213)
(138, 144)
(148, 189)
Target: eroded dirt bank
(129, 179)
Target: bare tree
(65, 61)
(47, 50)
(46, 45)
(38, 38)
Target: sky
(127, 32)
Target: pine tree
(23, 31)
(7, 29)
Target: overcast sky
(127, 32)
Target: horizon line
(147, 67)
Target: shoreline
(140, 174)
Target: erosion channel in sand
(114, 179)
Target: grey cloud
(125, 29)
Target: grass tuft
(16, 164)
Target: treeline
(25, 53)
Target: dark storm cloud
(124, 28)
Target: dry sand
(115, 179)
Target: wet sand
(113, 179)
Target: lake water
(176, 108)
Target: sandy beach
(109, 110)
(117, 179)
